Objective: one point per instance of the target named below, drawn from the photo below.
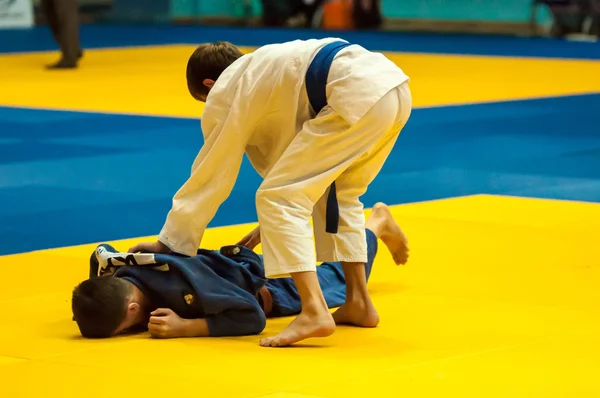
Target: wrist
(163, 247)
(187, 328)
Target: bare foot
(305, 326)
(390, 233)
(357, 313)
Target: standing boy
(317, 119)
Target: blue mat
(95, 36)
(69, 178)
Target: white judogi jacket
(257, 106)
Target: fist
(251, 240)
(166, 324)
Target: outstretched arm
(214, 173)
(226, 128)
(166, 324)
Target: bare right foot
(306, 325)
(390, 233)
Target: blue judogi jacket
(220, 286)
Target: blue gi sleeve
(228, 307)
(236, 323)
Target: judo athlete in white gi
(317, 120)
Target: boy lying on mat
(215, 293)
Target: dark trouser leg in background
(52, 19)
(63, 18)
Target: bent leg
(332, 279)
(327, 149)
(351, 185)
(317, 156)
(286, 300)
(380, 225)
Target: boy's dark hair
(99, 305)
(208, 62)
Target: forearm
(195, 328)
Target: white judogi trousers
(327, 149)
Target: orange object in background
(337, 14)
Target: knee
(267, 197)
(283, 199)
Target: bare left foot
(357, 313)
(305, 326)
(390, 232)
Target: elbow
(245, 324)
(263, 323)
(258, 324)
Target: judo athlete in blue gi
(317, 119)
(215, 293)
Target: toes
(401, 260)
(269, 342)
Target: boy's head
(105, 306)
(206, 65)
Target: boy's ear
(133, 307)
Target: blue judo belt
(316, 82)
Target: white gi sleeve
(214, 173)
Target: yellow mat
(151, 80)
(500, 298)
